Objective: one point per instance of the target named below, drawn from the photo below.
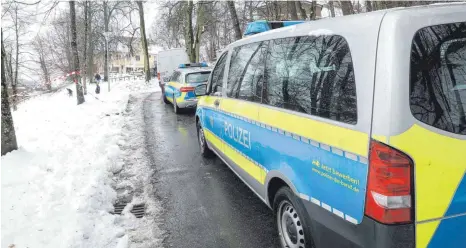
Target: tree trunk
(369, 6)
(9, 66)
(313, 14)
(347, 7)
(189, 36)
(86, 31)
(8, 129)
(43, 66)
(331, 6)
(200, 20)
(302, 12)
(106, 20)
(234, 19)
(14, 83)
(144, 41)
(251, 11)
(69, 57)
(292, 10)
(275, 10)
(74, 49)
(90, 48)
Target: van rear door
(422, 90)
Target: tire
(205, 150)
(165, 100)
(292, 220)
(175, 106)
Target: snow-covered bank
(58, 187)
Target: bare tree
(8, 129)
(193, 35)
(74, 48)
(331, 6)
(347, 7)
(302, 12)
(40, 49)
(313, 14)
(106, 21)
(14, 81)
(292, 10)
(86, 34)
(144, 40)
(234, 19)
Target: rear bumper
(187, 103)
(330, 230)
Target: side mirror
(201, 90)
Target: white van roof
(325, 26)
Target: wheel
(205, 150)
(175, 107)
(165, 100)
(292, 220)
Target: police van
(352, 129)
(179, 90)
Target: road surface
(204, 203)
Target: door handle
(216, 103)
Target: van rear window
(438, 77)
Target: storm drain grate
(118, 208)
(139, 210)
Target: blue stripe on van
(334, 179)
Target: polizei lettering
(239, 135)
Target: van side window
(312, 75)
(216, 82)
(246, 73)
(438, 77)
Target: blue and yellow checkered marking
(295, 156)
(172, 89)
(440, 187)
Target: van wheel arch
(272, 188)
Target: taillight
(389, 186)
(186, 89)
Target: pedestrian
(70, 92)
(97, 82)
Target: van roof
(319, 25)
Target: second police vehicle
(179, 90)
(355, 137)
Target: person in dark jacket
(97, 82)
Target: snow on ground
(59, 187)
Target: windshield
(198, 77)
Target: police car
(352, 129)
(179, 90)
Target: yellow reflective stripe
(343, 138)
(381, 138)
(247, 165)
(346, 139)
(213, 139)
(440, 163)
(174, 84)
(425, 232)
(242, 108)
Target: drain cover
(119, 208)
(138, 210)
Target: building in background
(125, 59)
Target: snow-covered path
(58, 188)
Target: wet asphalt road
(205, 204)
